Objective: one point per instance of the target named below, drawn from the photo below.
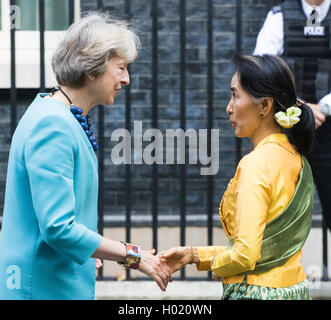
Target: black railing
(155, 118)
(182, 122)
(13, 92)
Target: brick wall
(224, 44)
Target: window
(56, 14)
(27, 40)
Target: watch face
(134, 252)
(133, 257)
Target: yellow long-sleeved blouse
(263, 185)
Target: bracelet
(191, 255)
(195, 257)
(133, 256)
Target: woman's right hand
(178, 257)
(155, 268)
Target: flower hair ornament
(289, 117)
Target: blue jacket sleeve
(49, 157)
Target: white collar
(322, 9)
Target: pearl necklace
(83, 121)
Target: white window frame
(27, 52)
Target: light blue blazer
(50, 213)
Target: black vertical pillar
(154, 185)
(210, 180)
(238, 50)
(101, 165)
(42, 44)
(128, 177)
(71, 11)
(13, 92)
(325, 276)
(182, 124)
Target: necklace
(84, 121)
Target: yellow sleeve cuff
(206, 255)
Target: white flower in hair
(288, 118)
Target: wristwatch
(325, 108)
(133, 256)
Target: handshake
(160, 267)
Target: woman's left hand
(98, 264)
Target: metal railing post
(101, 165)
(13, 91)
(155, 179)
(182, 125)
(210, 89)
(128, 176)
(238, 50)
(42, 44)
(325, 276)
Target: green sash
(286, 234)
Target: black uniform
(308, 53)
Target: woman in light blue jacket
(48, 241)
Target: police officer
(300, 32)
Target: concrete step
(182, 290)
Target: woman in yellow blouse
(267, 207)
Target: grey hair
(88, 45)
